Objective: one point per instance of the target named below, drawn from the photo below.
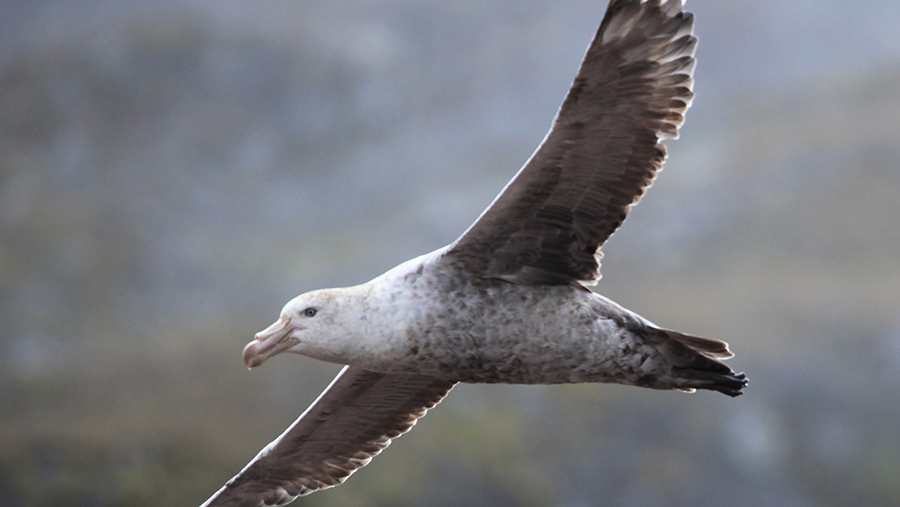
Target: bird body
(427, 317)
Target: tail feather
(714, 349)
(697, 363)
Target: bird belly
(504, 333)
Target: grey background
(173, 172)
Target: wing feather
(351, 422)
(601, 154)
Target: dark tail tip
(729, 383)
(697, 363)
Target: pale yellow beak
(269, 342)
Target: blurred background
(173, 172)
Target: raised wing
(601, 154)
(352, 421)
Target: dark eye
(310, 312)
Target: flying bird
(508, 301)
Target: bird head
(311, 324)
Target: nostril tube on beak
(268, 342)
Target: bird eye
(310, 312)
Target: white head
(319, 324)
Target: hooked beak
(269, 342)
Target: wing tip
(622, 16)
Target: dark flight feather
(601, 154)
(351, 422)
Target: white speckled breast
(482, 330)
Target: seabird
(507, 302)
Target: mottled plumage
(507, 302)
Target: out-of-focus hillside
(172, 173)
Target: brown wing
(601, 154)
(350, 423)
